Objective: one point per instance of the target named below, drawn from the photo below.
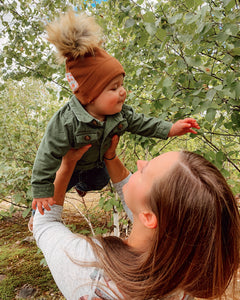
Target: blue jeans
(89, 180)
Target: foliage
(181, 60)
(25, 110)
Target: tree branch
(223, 134)
(85, 218)
(14, 204)
(217, 150)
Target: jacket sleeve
(145, 126)
(54, 145)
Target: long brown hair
(196, 245)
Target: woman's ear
(148, 219)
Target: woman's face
(139, 186)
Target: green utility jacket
(73, 127)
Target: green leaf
(229, 3)
(190, 18)
(228, 125)
(126, 9)
(193, 3)
(219, 122)
(150, 28)
(166, 104)
(146, 108)
(85, 231)
(231, 29)
(197, 92)
(200, 27)
(222, 37)
(167, 82)
(237, 90)
(230, 78)
(175, 18)
(26, 212)
(9, 61)
(196, 102)
(220, 157)
(129, 23)
(149, 17)
(235, 117)
(210, 94)
(161, 33)
(218, 87)
(194, 61)
(210, 115)
(235, 52)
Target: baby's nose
(122, 91)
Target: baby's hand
(42, 202)
(183, 126)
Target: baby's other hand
(42, 202)
(183, 126)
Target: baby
(95, 113)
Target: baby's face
(110, 101)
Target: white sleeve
(63, 250)
(118, 186)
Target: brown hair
(197, 242)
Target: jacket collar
(83, 116)
(79, 111)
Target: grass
(20, 259)
(20, 263)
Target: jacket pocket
(86, 138)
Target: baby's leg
(93, 180)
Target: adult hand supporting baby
(65, 171)
(116, 169)
(110, 154)
(63, 176)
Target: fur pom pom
(74, 35)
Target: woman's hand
(65, 171)
(116, 169)
(111, 151)
(73, 155)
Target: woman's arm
(65, 171)
(116, 169)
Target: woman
(184, 241)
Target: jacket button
(120, 126)
(94, 122)
(87, 138)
